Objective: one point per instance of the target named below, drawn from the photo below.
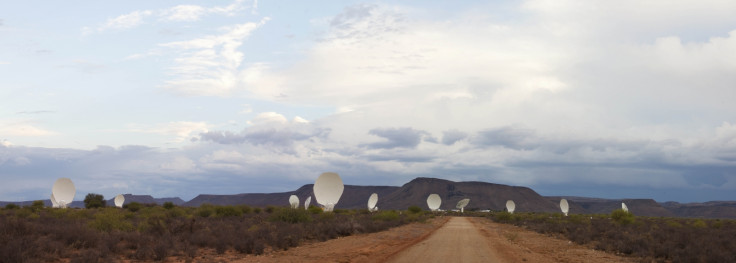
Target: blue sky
(624, 99)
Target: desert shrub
(269, 209)
(314, 210)
(257, 210)
(169, 205)
(133, 206)
(11, 206)
(93, 200)
(246, 209)
(415, 209)
(291, 216)
(110, 220)
(205, 210)
(622, 217)
(37, 205)
(340, 211)
(223, 211)
(503, 217)
(699, 223)
(386, 215)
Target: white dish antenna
(119, 201)
(54, 204)
(328, 189)
(564, 206)
(63, 191)
(306, 203)
(434, 201)
(294, 201)
(510, 206)
(461, 205)
(372, 201)
(624, 207)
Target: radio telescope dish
(510, 206)
(434, 201)
(54, 204)
(372, 201)
(328, 189)
(564, 206)
(63, 191)
(306, 203)
(294, 201)
(461, 205)
(119, 201)
(624, 207)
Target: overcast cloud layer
(624, 99)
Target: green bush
(37, 205)
(169, 205)
(205, 210)
(109, 220)
(503, 217)
(314, 210)
(93, 200)
(257, 210)
(11, 206)
(224, 211)
(415, 209)
(699, 223)
(386, 215)
(269, 209)
(622, 217)
(133, 206)
(291, 216)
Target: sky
(610, 99)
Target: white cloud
(195, 12)
(179, 13)
(22, 129)
(180, 131)
(126, 21)
(211, 66)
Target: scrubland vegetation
(649, 238)
(150, 232)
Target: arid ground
(442, 239)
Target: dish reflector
(564, 206)
(461, 205)
(328, 189)
(372, 201)
(294, 201)
(510, 206)
(306, 203)
(434, 201)
(624, 207)
(119, 201)
(54, 204)
(64, 191)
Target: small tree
(169, 205)
(37, 205)
(93, 200)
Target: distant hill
(145, 199)
(482, 195)
(640, 207)
(354, 196)
(713, 209)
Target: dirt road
(442, 239)
(457, 241)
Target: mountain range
(482, 195)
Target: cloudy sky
(605, 99)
